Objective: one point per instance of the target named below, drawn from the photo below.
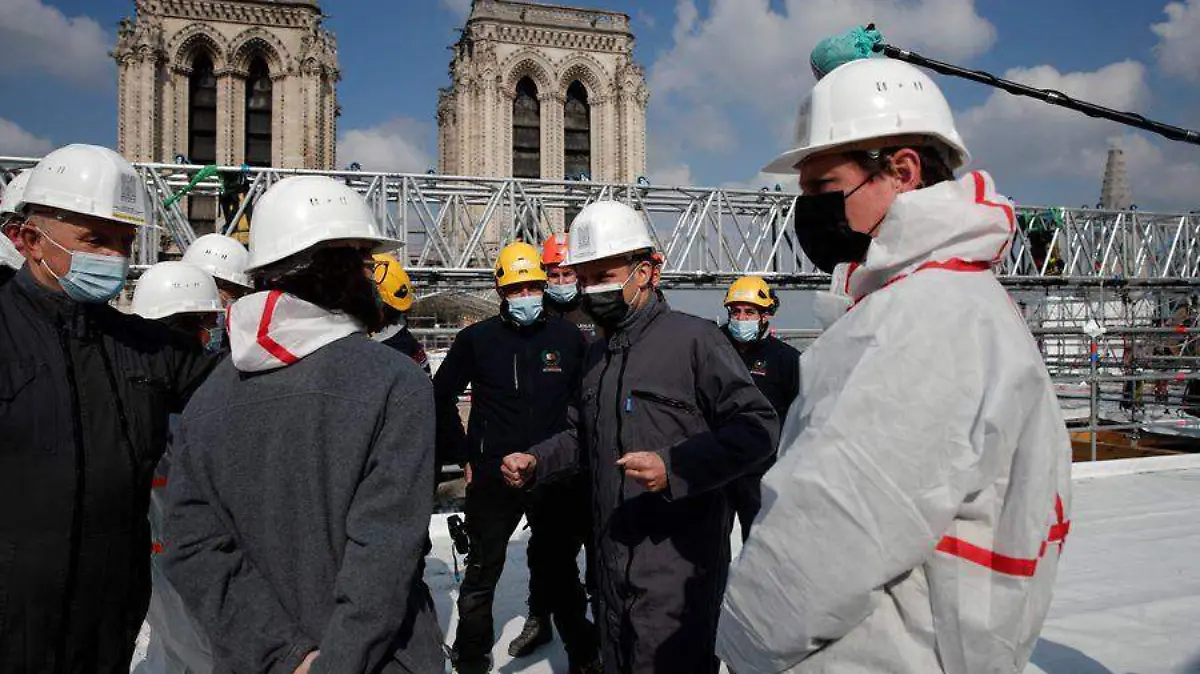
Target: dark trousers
(745, 499)
(493, 512)
(560, 524)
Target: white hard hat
(868, 99)
(14, 194)
(298, 213)
(606, 229)
(220, 256)
(91, 180)
(170, 288)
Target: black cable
(1045, 95)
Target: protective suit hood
(273, 329)
(963, 224)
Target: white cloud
(743, 53)
(742, 64)
(1178, 48)
(645, 19)
(37, 37)
(1159, 178)
(1018, 135)
(460, 8)
(786, 183)
(400, 145)
(17, 142)
(676, 173)
(1027, 139)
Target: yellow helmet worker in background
(394, 285)
(519, 263)
(774, 366)
(396, 291)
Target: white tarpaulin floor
(1127, 599)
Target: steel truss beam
(453, 227)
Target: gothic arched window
(577, 127)
(258, 114)
(527, 131)
(202, 112)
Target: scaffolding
(453, 226)
(1109, 295)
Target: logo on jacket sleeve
(551, 361)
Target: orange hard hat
(555, 250)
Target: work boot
(537, 632)
(593, 667)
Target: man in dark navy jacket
(523, 367)
(775, 368)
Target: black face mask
(606, 308)
(825, 234)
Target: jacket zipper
(77, 506)
(669, 402)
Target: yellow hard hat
(394, 286)
(519, 262)
(752, 290)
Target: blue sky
(725, 77)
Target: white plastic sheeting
(1128, 592)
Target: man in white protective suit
(915, 517)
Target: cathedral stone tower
(543, 91)
(228, 82)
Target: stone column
(466, 124)
(310, 86)
(553, 134)
(604, 138)
(138, 105)
(630, 132)
(489, 138)
(291, 117)
(329, 105)
(177, 138)
(231, 116)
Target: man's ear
(32, 241)
(906, 170)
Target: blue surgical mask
(92, 278)
(563, 293)
(744, 331)
(526, 309)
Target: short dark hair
(934, 167)
(331, 278)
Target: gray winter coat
(298, 512)
(671, 383)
